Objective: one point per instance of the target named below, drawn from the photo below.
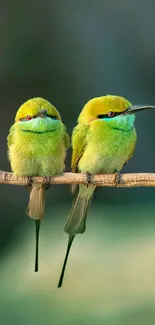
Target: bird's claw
(88, 179)
(47, 182)
(29, 180)
(117, 178)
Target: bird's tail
(76, 222)
(35, 210)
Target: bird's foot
(29, 180)
(117, 178)
(47, 182)
(88, 179)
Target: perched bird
(102, 142)
(37, 144)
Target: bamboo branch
(107, 180)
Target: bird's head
(114, 111)
(38, 116)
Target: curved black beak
(137, 108)
(42, 113)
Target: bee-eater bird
(102, 142)
(37, 144)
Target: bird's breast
(37, 154)
(107, 152)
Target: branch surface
(107, 180)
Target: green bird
(102, 142)
(37, 144)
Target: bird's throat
(38, 132)
(123, 130)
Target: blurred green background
(68, 52)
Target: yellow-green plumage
(37, 144)
(100, 145)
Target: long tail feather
(37, 224)
(76, 222)
(35, 210)
(70, 241)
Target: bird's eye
(28, 117)
(111, 114)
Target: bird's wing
(78, 145)
(131, 154)
(132, 149)
(10, 137)
(66, 138)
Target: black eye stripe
(32, 117)
(107, 116)
(47, 115)
(111, 114)
(52, 116)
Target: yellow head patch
(33, 106)
(102, 106)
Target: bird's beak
(42, 113)
(136, 108)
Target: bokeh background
(68, 52)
